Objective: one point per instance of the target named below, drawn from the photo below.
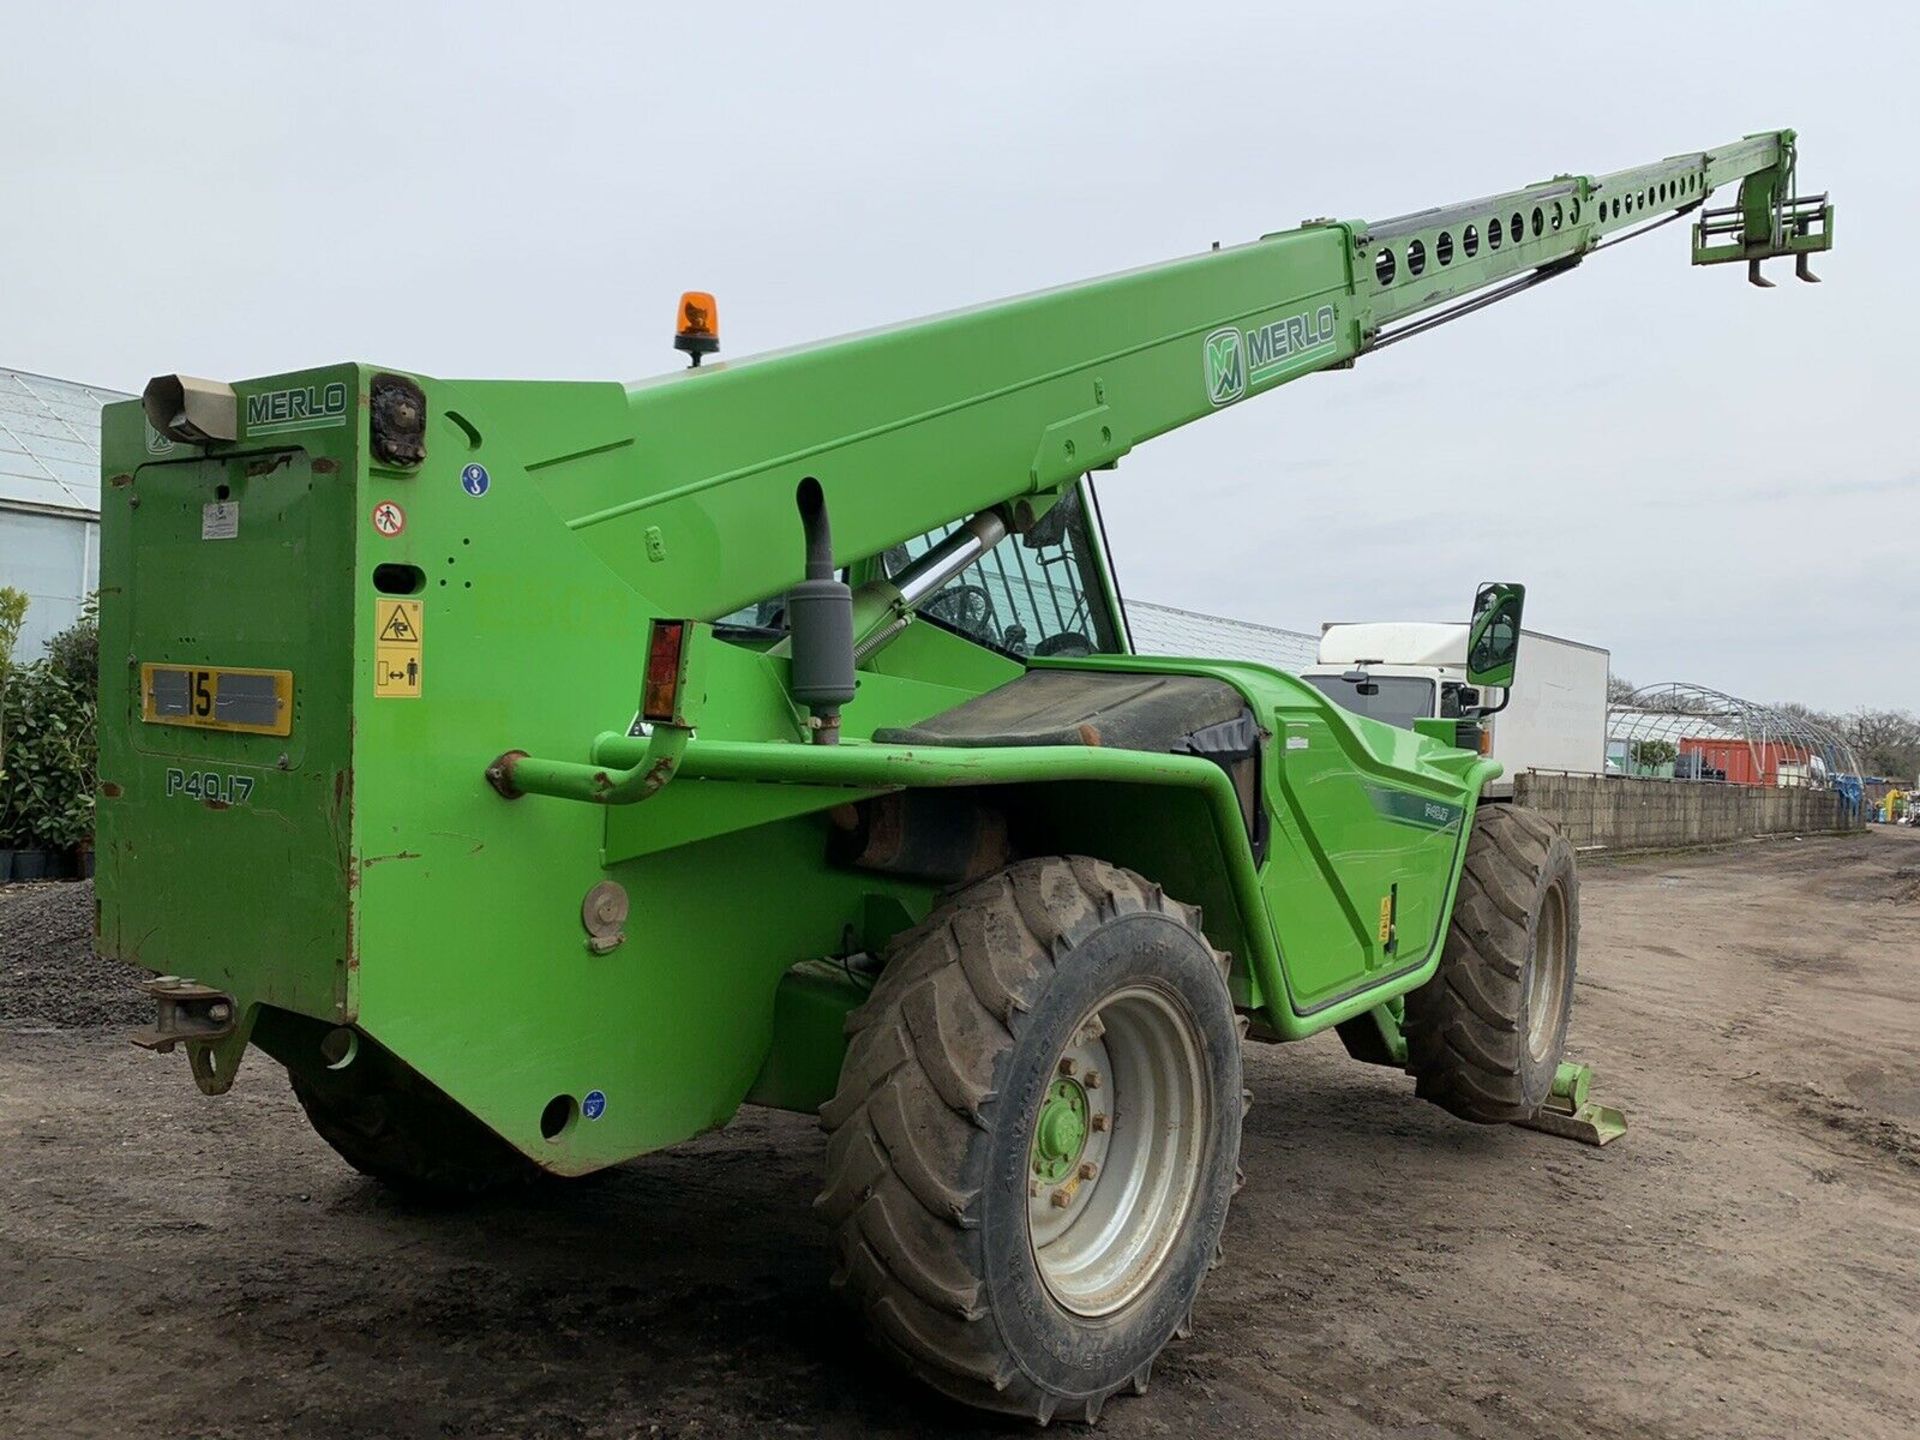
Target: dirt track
(1746, 1262)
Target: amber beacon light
(696, 329)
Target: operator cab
(1038, 594)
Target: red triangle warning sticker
(399, 628)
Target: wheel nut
(1066, 1065)
(1092, 1082)
(1088, 1169)
(1097, 1123)
(1060, 1198)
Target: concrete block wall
(1618, 813)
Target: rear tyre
(1485, 1034)
(410, 1136)
(1036, 1137)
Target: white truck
(1553, 718)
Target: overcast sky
(1719, 484)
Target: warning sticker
(389, 519)
(397, 649)
(401, 622)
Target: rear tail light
(660, 700)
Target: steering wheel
(968, 608)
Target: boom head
(1768, 221)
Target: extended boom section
(916, 425)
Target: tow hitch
(207, 1021)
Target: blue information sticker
(595, 1105)
(474, 479)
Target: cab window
(1031, 595)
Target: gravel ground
(1743, 1263)
(49, 975)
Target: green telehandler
(541, 771)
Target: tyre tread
(1466, 1045)
(913, 1108)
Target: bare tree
(1888, 741)
(1825, 719)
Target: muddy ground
(1746, 1262)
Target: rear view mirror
(1493, 638)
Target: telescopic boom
(921, 424)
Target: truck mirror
(1493, 639)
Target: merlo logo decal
(1226, 366)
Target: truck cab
(1552, 716)
(1396, 671)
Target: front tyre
(1036, 1137)
(1485, 1034)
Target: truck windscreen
(1396, 699)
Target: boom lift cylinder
(895, 601)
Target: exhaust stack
(820, 623)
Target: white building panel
(49, 498)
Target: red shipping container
(1746, 762)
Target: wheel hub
(1118, 1140)
(1061, 1134)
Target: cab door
(1364, 848)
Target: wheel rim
(1547, 975)
(1119, 1141)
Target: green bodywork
(362, 871)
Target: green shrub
(47, 713)
(1652, 754)
(13, 614)
(75, 651)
